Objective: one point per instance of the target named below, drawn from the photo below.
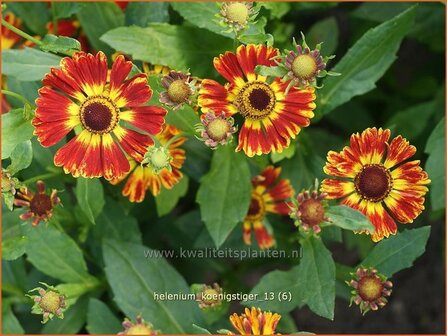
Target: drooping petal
(135, 144)
(263, 237)
(404, 206)
(114, 163)
(337, 188)
(136, 185)
(246, 232)
(398, 151)
(146, 118)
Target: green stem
(19, 97)
(42, 177)
(20, 32)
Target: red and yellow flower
(269, 195)
(8, 37)
(272, 116)
(371, 174)
(82, 96)
(255, 322)
(143, 177)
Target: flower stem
(19, 97)
(42, 177)
(20, 32)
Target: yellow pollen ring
(257, 208)
(99, 114)
(252, 94)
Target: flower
(143, 177)
(271, 116)
(373, 175)
(308, 210)
(80, 95)
(140, 327)
(40, 205)
(268, 195)
(179, 89)
(237, 15)
(49, 302)
(208, 297)
(8, 37)
(215, 129)
(255, 322)
(370, 289)
(156, 69)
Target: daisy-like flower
(371, 173)
(237, 15)
(209, 297)
(39, 205)
(80, 96)
(370, 289)
(255, 322)
(269, 195)
(143, 177)
(140, 327)
(271, 117)
(49, 302)
(215, 129)
(179, 89)
(9, 38)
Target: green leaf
(435, 165)
(28, 64)
(10, 324)
(90, 195)
(59, 44)
(15, 130)
(62, 10)
(349, 219)
(277, 9)
(287, 153)
(170, 45)
(201, 330)
(325, 31)
(14, 240)
(365, 62)
(224, 193)
(135, 280)
(287, 325)
(100, 319)
(142, 13)
(97, 18)
(255, 33)
(74, 319)
(54, 253)
(73, 291)
(168, 198)
(21, 157)
(398, 252)
(273, 71)
(26, 11)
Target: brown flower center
(256, 100)
(179, 91)
(218, 129)
(99, 114)
(312, 211)
(50, 302)
(304, 66)
(373, 183)
(370, 288)
(41, 204)
(256, 211)
(237, 12)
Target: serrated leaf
(21, 157)
(168, 198)
(398, 252)
(435, 165)
(349, 219)
(90, 196)
(224, 193)
(100, 319)
(15, 130)
(59, 44)
(134, 281)
(365, 62)
(28, 64)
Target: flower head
(208, 297)
(255, 322)
(371, 173)
(80, 95)
(157, 69)
(237, 15)
(49, 302)
(163, 169)
(179, 89)
(271, 116)
(39, 205)
(140, 327)
(370, 289)
(216, 129)
(269, 195)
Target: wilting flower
(374, 175)
(237, 15)
(215, 129)
(143, 177)
(308, 210)
(269, 195)
(80, 95)
(272, 117)
(370, 289)
(255, 322)
(179, 89)
(39, 206)
(208, 297)
(49, 302)
(8, 37)
(140, 327)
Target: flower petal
(133, 92)
(213, 97)
(398, 150)
(136, 185)
(134, 144)
(120, 70)
(263, 237)
(337, 188)
(253, 55)
(370, 145)
(146, 118)
(228, 66)
(405, 207)
(114, 163)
